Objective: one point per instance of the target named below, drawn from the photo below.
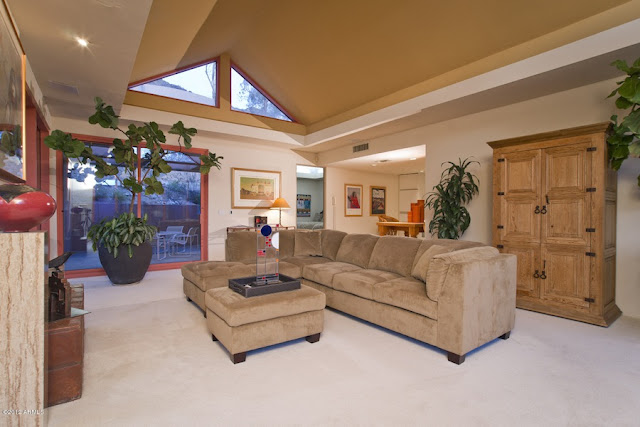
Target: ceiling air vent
(63, 87)
(361, 147)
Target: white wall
(315, 188)
(467, 136)
(336, 178)
(248, 156)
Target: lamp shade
(280, 203)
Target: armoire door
(520, 203)
(566, 278)
(528, 263)
(566, 201)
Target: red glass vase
(23, 207)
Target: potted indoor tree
(624, 139)
(123, 242)
(456, 188)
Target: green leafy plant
(624, 139)
(127, 229)
(455, 189)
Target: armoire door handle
(537, 210)
(544, 210)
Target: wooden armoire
(554, 207)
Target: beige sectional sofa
(455, 295)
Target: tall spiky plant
(455, 189)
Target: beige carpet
(149, 360)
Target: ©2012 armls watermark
(22, 411)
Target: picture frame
(254, 188)
(303, 205)
(259, 221)
(353, 200)
(378, 200)
(12, 101)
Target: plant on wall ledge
(127, 231)
(456, 188)
(624, 139)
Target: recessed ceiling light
(82, 42)
(413, 158)
(421, 171)
(373, 164)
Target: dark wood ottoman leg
(239, 357)
(188, 299)
(455, 358)
(506, 335)
(313, 338)
(213, 338)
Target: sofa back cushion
(394, 254)
(308, 243)
(241, 246)
(356, 249)
(331, 240)
(440, 264)
(287, 243)
(452, 245)
(421, 267)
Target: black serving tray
(247, 286)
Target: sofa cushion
(361, 282)
(420, 268)
(237, 310)
(331, 240)
(439, 266)
(356, 249)
(454, 245)
(407, 293)
(323, 273)
(308, 243)
(287, 243)
(288, 269)
(394, 254)
(301, 261)
(211, 274)
(241, 245)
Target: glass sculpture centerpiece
(268, 279)
(267, 255)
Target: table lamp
(280, 204)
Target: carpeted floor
(149, 360)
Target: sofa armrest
(477, 303)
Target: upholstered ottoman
(199, 277)
(242, 324)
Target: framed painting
(352, 200)
(252, 188)
(303, 205)
(12, 101)
(378, 200)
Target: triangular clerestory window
(246, 97)
(196, 84)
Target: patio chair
(182, 240)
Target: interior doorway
(310, 197)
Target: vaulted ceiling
(326, 62)
(320, 59)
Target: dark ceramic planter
(124, 270)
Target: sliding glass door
(178, 213)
